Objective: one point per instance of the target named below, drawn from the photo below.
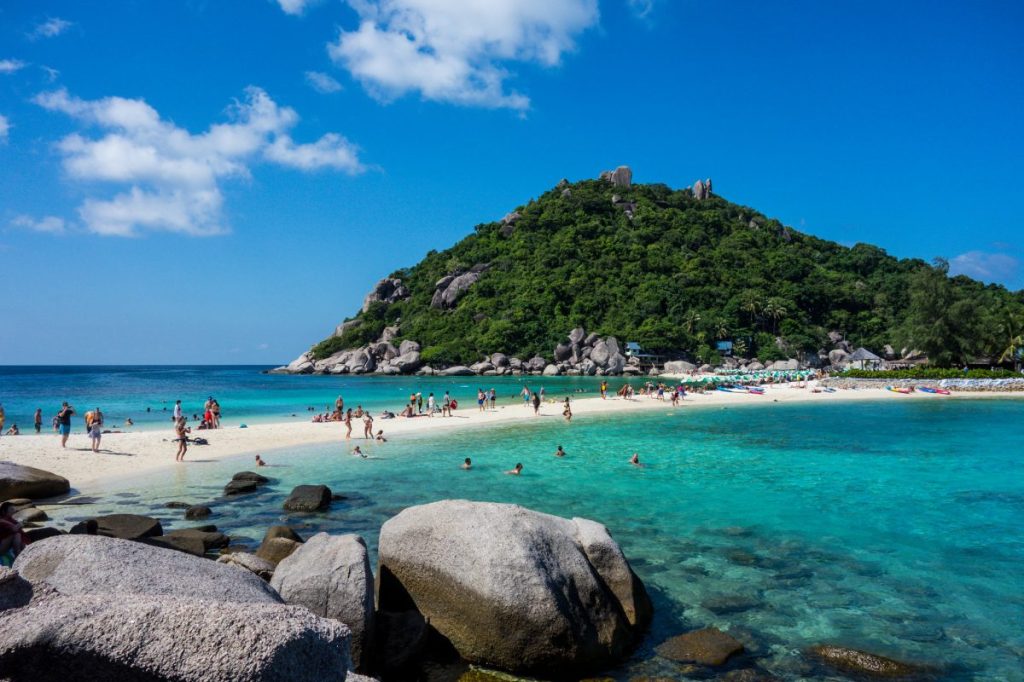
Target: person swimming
(635, 460)
(380, 436)
(559, 452)
(358, 453)
(516, 470)
(260, 462)
(467, 464)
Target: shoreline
(125, 456)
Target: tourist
(567, 410)
(559, 452)
(536, 405)
(431, 405)
(12, 537)
(380, 436)
(419, 403)
(446, 405)
(494, 399)
(367, 426)
(408, 411)
(467, 463)
(357, 452)
(39, 419)
(176, 415)
(526, 395)
(64, 420)
(604, 390)
(96, 429)
(2, 417)
(339, 406)
(348, 424)
(128, 421)
(13, 431)
(480, 398)
(542, 393)
(516, 470)
(359, 412)
(215, 409)
(260, 462)
(182, 432)
(635, 460)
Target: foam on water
(892, 526)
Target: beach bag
(200, 441)
(454, 405)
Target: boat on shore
(896, 389)
(934, 391)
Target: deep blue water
(895, 526)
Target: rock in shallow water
(308, 498)
(864, 663)
(512, 588)
(709, 646)
(137, 638)
(28, 482)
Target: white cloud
(170, 178)
(321, 82)
(641, 8)
(50, 224)
(294, 7)
(51, 28)
(51, 74)
(11, 65)
(453, 50)
(5, 128)
(989, 267)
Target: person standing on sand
(567, 412)
(604, 390)
(526, 395)
(64, 422)
(419, 403)
(368, 425)
(96, 429)
(431, 405)
(339, 407)
(182, 432)
(39, 419)
(348, 424)
(536, 405)
(446, 405)
(176, 414)
(494, 399)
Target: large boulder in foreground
(330, 576)
(512, 588)
(93, 564)
(138, 638)
(35, 484)
(15, 591)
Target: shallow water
(147, 393)
(893, 527)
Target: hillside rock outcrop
(450, 288)
(388, 290)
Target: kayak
(936, 391)
(904, 391)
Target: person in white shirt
(177, 411)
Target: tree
(941, 320)
(775, 308)
(1012, 331)
(691, 321)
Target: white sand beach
(126, 455)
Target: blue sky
(222, 182)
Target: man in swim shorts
(64, 422)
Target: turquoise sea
(896, 527)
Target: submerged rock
(710, 647)
(864, 663)
(245, 482)
(512, 588)
(128, 526)
(140, 638)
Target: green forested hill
(676, 273)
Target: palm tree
(775, 308)
(1012, 331)
(691, 321)
(739, 348)
(721, 329)
(751, 305)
